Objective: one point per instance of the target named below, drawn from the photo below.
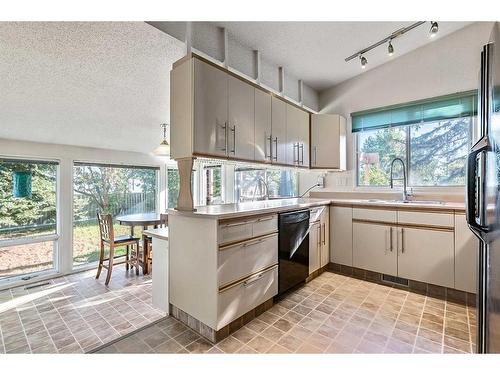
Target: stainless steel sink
(404, 201)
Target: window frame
(91, 265)
(12, 281)
(472, 133)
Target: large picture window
(432, 138)
(118, 190)
(28, 217)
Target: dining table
(144, 220)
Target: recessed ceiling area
(315, 51)
(94, 84)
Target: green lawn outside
(22, 259)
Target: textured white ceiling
(97, 84)
(315, 51)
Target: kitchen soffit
(315, 51)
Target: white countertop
(232, 210)
(227, 211)
(455, 206)
(161, 233)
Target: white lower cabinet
(245, 258)
(341, 235)
(466, 251)
(325, 237)
(426, 255)
(373, 247)
(244, 296)
(314, 246)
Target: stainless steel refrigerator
(483, 198)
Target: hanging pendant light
(164, 148)
(21, 181)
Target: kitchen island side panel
(193, 266)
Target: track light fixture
(364, 61)
(390, 48)
(434, 29)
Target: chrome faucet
(406, 195)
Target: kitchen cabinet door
(278, 129)
(210, 109)
(241, 119)
(426, 255)
(325, 239)
(314, 246)
(466, 251)
(373, 248)
(328, 141)
(341, 235)
(297, 135)
(263, 136)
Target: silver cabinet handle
(224, 127)
(294, 159)
(246, 244)
(235, 224)
(390, 236)
(402, 240)
(386, 241)
(251, 281)
(233, 129)
(302, 154)
(270, 156)
(315, 155)
(275, 155)
(324, 234)
(265, 218)
(319, 235)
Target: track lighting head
(390, 48)
(364, 61)
(434, 29)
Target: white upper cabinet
(263, 137)
(278, 124)
(210, 109)
(328, 142)
(215, 113)
(297, 134)
(241, 119)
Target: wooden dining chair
(149, 240)
(108, 239)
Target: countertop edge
(160, 233)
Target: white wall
(67, 155)
(448, 65)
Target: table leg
(145, 264)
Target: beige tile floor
(76, 313)
(331, 314)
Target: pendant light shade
(164, 148)
(21, 184)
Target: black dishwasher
(293, 250)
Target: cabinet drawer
(425, 218)
(245, 258)
(235, 231)
(265, 225)
(316, 214)
(374, 215)
(240, 298)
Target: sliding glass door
(118, 190)
(28, 217)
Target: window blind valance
(435, 109)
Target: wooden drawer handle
(235, 224)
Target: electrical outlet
(321, 182)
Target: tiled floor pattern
(74, 314)
(331, 314)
